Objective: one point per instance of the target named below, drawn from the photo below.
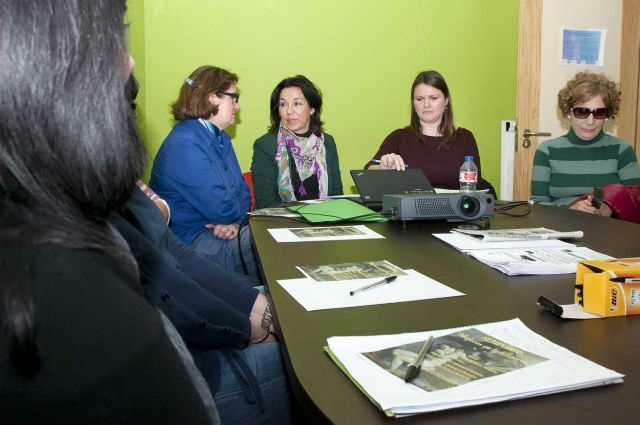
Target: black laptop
(372, 184)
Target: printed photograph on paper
(274, 212)
(351, 271)
(316, 232)
(455, 359)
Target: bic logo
(614, 300)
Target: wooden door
(528, 92)
(530, 70)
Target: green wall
(362, 54)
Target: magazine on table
(537, 261)
(472, 365)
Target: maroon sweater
(441, 165)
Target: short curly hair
(586, 85)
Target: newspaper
(537, 261)
(536, 233)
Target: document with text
(467, 366)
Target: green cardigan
(264, 170)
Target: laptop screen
(372, 184)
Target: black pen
(416, 365)
(374, 284)
(629, 279)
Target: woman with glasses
(430, 141)
(567, 167)
(295, 160)
(196, 171)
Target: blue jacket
(208, 306)
(198, 174)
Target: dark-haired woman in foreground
(81, 343)
(430, 142)
(295, 160)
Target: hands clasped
(224, 231)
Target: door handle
(526, 143)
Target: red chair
(249, 180)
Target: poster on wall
(582, 47)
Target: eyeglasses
(235, 96)
(583, 113)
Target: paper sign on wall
(582, 47)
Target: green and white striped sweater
(567, 167)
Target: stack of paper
(522, 251)
(464, 367)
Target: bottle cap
(468, 158)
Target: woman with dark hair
(81, 343)
(295, 133)
(197, 172)
(431, 141)
(569, 166)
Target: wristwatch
(267, 318)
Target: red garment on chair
(624, 201)
(249, 180)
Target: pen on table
(416, 365)
(374, 284)
(625, 279)
(377, 161)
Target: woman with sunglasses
(569, 166)
(197, 172)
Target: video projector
(439, 206)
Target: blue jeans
(265, 362)
(229, 254)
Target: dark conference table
(326, 395)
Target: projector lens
(469, 206)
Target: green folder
(334, 210)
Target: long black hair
(69, 149)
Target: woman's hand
(587, 206)
(391, 161)
(224, 231)
(258, 334)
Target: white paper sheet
(357, 232)
(564, 371)
(414, 286)
(576, 311)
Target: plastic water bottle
(468, 175)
